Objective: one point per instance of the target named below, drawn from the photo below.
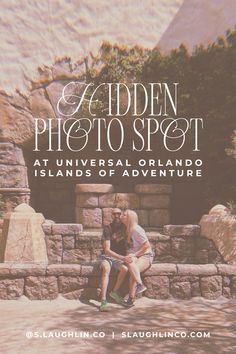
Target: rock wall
(220, 226)
(94, 203)
(163, 281)
(69, 244)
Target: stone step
(74, 281)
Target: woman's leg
(142, 264)
(132, 287)
(134, 271)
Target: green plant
(232, 207)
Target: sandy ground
(48, 318)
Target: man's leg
(106, 268)
(121, 277)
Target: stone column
(14, 187)
(88, 211)
(154, 204)
(23, 239)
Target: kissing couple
(126, 249)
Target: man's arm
(109, 252)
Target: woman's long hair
(132, 221)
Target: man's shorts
(115, 263)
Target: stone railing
(68, 243)
(94, 203)
(181, 281)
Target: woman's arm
(145, 246)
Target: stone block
(89, 218)
(197, 269)
(11, 289)
(23, 239)
(157, 287)
(41, 288)
(181, 290)
(13, 176)
(153, 188)
(94, 188)
(11, 154)
(181, 230)
(211, 287)
(158, 217)
(76, 256)
(67, 284)
(161, 269)
(22, 270)
(107, 215)
(142, 217)
(68, 242)
(182, 249)
(150, 201)
(226, 269)
(184, 278)
(87, 200)
(64, 269)
(96, 248)
(119, 200)
(201, 256)
(54, 248)
(91, 271)
(4, 269)
(196, 290)
(67, 229)
(162, 249)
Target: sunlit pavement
(140, 326)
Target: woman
(139, 254)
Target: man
(114, 250)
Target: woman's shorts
(148, 257)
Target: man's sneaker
(140, 288)
(115, 296)
(129, 302)
(104, 306)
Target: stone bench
(74, 281)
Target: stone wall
(14, 187)
(94, 203)
(163, 281)
(68, 243)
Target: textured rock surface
(222, 230)
(11, 288)
(23, 237)
(199, 22)
(89, 217)
(73, 281)
(41, 288)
